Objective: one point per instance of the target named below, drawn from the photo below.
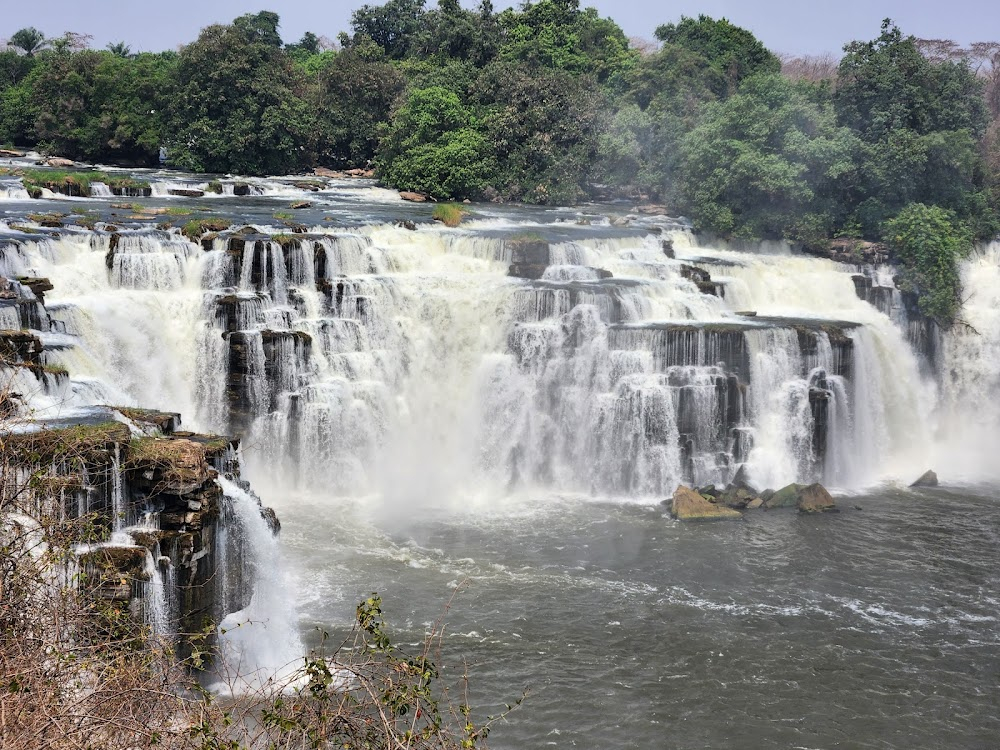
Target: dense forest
(549, 103)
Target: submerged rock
(688, 505)
(927, 479)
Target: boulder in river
(786, 497)
(58, 161)
(408, 195)
(815, 499)
(811, 498)
(688, 505)
(927, 479)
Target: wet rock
(241, 189)
(701, 279)
(408, 195)
(529, 257)
(815, 499)
(927, 479)
(39, 286)
(688, 505)
(786, 497)
(742, 480)
(737, 497)
(10, 153)
(850, 250)
(755, 503)
(58, 161)
(668, 247)
(407, 224)
(186, 192)
(301, 204)
(326, 172)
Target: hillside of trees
(549, 103)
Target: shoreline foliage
(545, 103)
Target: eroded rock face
(688, 505)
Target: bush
(928, 242)
(434, 147)
(449, 214)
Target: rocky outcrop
(815, 499)
(688, 505)
(412, 197)
(850, 250)
(529, 257)
(701, 279)
(927, 479)
(786, 497)
(811, 498)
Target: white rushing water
(408, 366)
(970, 373)
(260, 641)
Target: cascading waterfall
(425, 370)
(366, 359)
(260, 639)
(970, 372)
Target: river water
(450, 426)
(876, 627)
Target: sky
(784, 26)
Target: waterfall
(970, 373)
(261, 639)
(382, 360)
(100, 190)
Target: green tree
(557, 34)
(355, 94)
(97, 106)
(543, 126)
(733, 51)
(239, 104)
(928, 242)
(766, 162)
(29, 40)
(394, 26)
(920, 122)
(434, 146)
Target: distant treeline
(547, 103)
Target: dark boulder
(927, 479)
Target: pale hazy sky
(792, 26)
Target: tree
(355, 93)
(29, 40)
(928, 242)
(239, 104)
(259, 27)
(434, 146)
(393, 27)
(920, 122)
(731, 50)
(120, 49)
(97, 106)
(767, 162)
(543, 126)
(557, 34)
